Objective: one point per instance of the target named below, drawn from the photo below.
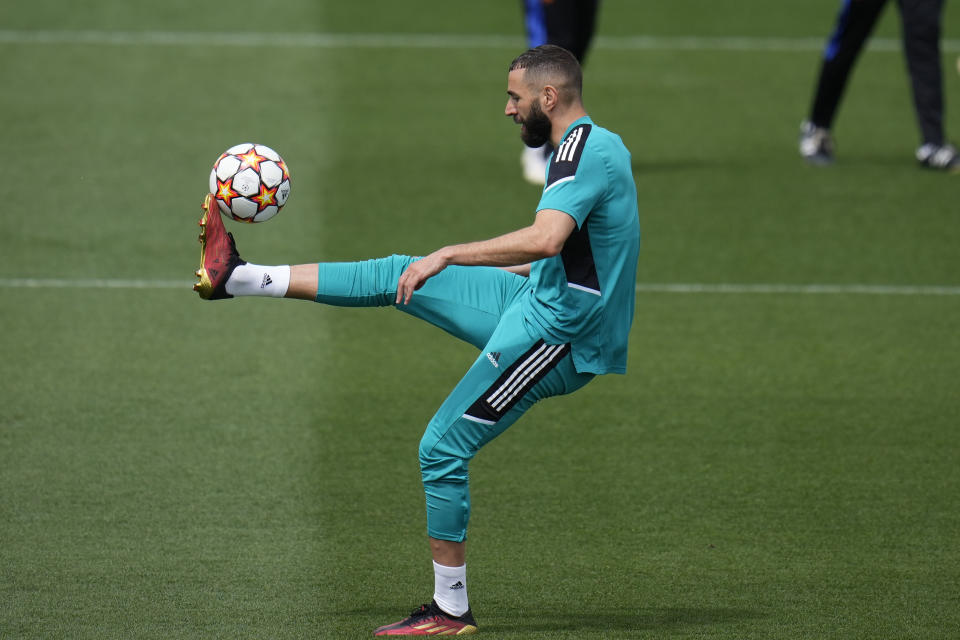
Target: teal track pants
(514, 369)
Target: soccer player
(921, 44)
(555, 314)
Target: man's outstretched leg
(224, 274)
(219, 261)
(466, 302)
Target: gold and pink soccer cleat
(430, 620)
(218, 254)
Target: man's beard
(536, 128)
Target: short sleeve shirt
(585, 295)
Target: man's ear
(549, 97)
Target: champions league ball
(250, 182)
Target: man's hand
(418, 273)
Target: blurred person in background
(566, 23)
(921, 43)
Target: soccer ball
(250, 182)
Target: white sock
(256, 280)
(450, 588)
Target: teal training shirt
(585, 295)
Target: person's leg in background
(855, 23)
(921, 44)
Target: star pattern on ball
(225, 192)
(251, 159)
(265, 198)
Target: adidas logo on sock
(266, 280)
(494, 358)
(457, 586)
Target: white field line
(748, 289)
(423, 41)
(803, 289)
(91, 283)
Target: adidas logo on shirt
(494, 358)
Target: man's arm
(544, 238)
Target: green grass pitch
(779, 464)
